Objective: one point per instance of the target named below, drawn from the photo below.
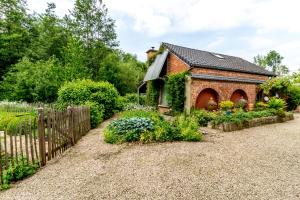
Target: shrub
(145, 126)
(188, 128)
(127, 129)
(226, 105)
(103, 95)
(203, 116)
(152, 93)
(18, 171)
(293, 100)
(135, 98)
(96, 113)
(176, 91)
(260, 106)
(277, 104)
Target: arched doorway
(204, 97)
(238, 95)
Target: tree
(33, 82)
(273, 62)
(15, 24)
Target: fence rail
(44, 137)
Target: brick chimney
(151, 52)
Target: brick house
(212, 76)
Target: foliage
(277, 104)
(122, 70)
(135, 98)
(101, 96)
(39, 52)
(176, 91)
(18, 171)
(260, 106)
(226, 105)
(149, 126)
(240, 116)
(273, 62)
(293, 100)
(96, 113)
(278, 84)
(203, 116)
(152, 93)
(33, 82)
(188, 128)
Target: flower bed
(149, 126)
(248, 123)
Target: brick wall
(175, 65)
(228, 73)
(224, 89)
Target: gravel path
(256, 163)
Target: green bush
(147, 126)
(152, 93)
(12, 121)
(101, 94)
(135, 98)
(293, 100)
(277, 104)
(18, 171)
(176, 91)
(226, 105)
(203, 116)
(260, 106)
(127, 129)
(96, 113)
(188, 128)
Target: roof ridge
(222, 54)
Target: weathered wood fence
(43, 137)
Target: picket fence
(44, 137)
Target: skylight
(218, 56)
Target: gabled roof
(156, 67)
(199, 58)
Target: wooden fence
(43, 137)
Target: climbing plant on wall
(176, 91)
(152, 93)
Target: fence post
(70, 124)
(41, 134)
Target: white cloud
(216, 43)
(161, 17)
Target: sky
(242, 28)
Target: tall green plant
(152, 93)
(176, 91)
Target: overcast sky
(241, 28)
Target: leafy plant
(261, 106)
(188, 128)
(176, 91)
(152, 93)
(18, 171)
(276, 103)
(101, 95)
(203, 116)
(226, 105)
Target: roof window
(218, 56)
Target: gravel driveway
(256, 163)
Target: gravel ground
(256, 163)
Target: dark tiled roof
(224, 78)
(199, 58)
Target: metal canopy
(156, 67)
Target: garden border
(230, 126)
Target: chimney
(151, 52)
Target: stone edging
(227, 127)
